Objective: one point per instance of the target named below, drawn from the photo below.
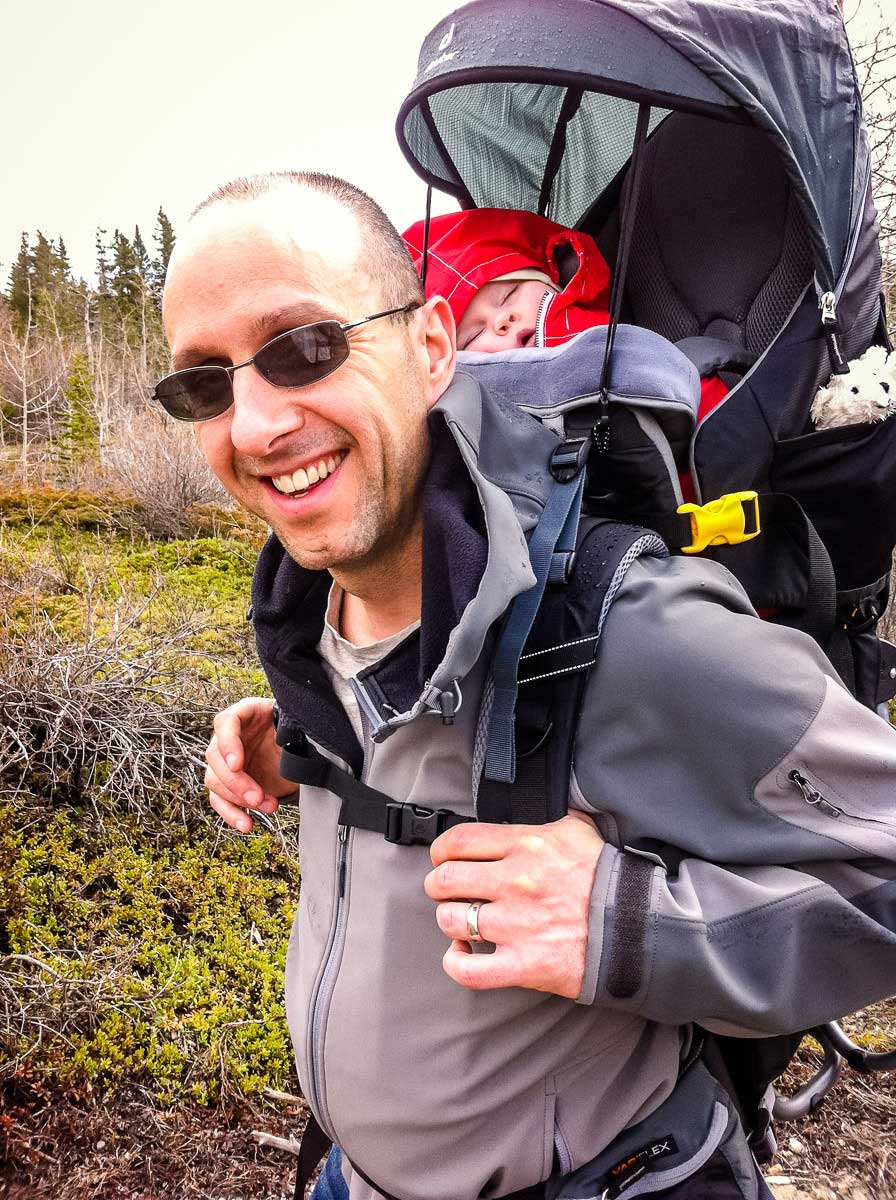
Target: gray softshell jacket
(780, 913)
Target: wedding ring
(473, 934)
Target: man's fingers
(236, 786)
(476, 842)
(228, 736)
(236, 818)
(480, 971)
(459, 880)
(452, 920)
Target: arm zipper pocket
(813, 796)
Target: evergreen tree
(102, 264)
(78, 439)
(163, 236)
(141, 256)
(125, 284)
(21, 284)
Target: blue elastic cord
(555, 531)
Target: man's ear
(439, 340)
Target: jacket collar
(484, 489)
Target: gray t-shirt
(342, 659)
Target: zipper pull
(829, 324)
(813, 796)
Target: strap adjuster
(568, 459)
(728, 521)
(414, 825)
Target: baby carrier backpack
(716, 153)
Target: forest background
(142, 1028)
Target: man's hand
(537, 880)
(243, 763)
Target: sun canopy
(532, 103)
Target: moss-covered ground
(143, 944)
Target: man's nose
(262, 413)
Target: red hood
(469, 249)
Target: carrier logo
(444, 54)
(624, 1174)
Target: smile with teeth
(306, 477)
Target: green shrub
(147, 954)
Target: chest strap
(364, 807)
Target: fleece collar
(484, 488)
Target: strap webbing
(313, 1146)
(629, 212)
(555, 531)
(426, 223)
(365, 807)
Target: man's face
(501, 316)
(246, 272)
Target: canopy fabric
(513, 97)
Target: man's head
(263, 256)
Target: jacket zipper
(319, 1009)
(542, 317)
(828, 301)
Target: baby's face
(501, 316)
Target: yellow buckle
(724, 522)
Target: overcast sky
(112, 107)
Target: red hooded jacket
(469, 249)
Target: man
(324, 394)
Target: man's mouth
(308, 477)
(528, 337)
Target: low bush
(140, 942)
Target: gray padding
(648, 374)
(720, 246)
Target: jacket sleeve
(749, 807)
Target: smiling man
(565, 1061)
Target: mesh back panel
(720, 245)
(598, 144)
(653, 298)
(498, 137)
(421, 143)
(784, 286)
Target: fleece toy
(866, 393)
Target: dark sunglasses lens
(304, 355)
(196, 394)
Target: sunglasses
(293, 359)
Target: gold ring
(473, 934)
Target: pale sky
(112, 108)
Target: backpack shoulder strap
(552, 673)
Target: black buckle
(414, 825)
(568, 458)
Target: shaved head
(346, 218)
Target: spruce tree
(78, 439)
(21, 285)
(163, 236)
(102, 264)
(125, 284)
(141, 256)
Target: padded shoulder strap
(552, 673)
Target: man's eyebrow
(291, 316)
(263, 326)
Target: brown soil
(76, 1149)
